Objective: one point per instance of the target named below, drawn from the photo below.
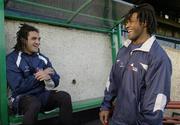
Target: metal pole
(79, 10)
(3, 84)
(119, 36)
(113, 46)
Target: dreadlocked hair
(145, 14)
(22, 36)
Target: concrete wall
(175, 59)
(175, 85)
(75, 54)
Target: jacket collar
(33, 54)
(146, 46)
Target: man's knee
(30, 103)
(64, 96)
(35, 106)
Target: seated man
(30, 76)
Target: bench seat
(77, 106)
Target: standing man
(30, 75)
(141, 76)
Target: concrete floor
(95, 122)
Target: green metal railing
(113, 46)
(119, 36)
(116, 32)
(3, 85)
(79, 10)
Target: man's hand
(104, 117)
(49, 70)
(42, 75)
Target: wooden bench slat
(173, 119)
(173, 106)
(174, 103)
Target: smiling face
(33, 42)
(134, 27)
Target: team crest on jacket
(26, 69)
(121, 63)
(132, 67)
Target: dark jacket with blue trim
(140, 81)
(20, 75)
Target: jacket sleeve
(157, 92)
(110, 92)
(15, 78)
(55, 77)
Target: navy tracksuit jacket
(140, 81)
(20, 76)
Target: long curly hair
(22, 36)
